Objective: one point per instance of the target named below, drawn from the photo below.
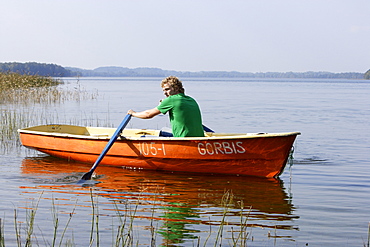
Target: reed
(124, 233)
(30, 89)
(240, 236)
(26, 100)
(2, 238)
(56, 224)
(15, 88)
(226, 200)
(14, 80)
(368, 236)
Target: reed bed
(14, 80)
(31, 89)
(26, 100)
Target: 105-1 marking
(151, 148)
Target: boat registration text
(204, 148)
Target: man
(184, 112)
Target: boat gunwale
(217, 136)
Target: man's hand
(131, 112)
(144, 114)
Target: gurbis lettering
(212, 148)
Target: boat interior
(102, 132)
(105, 133)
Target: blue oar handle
(114, 137)
(206, 129)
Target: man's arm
(145, 114)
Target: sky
(189, 35)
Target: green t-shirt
(185, 116)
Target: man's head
(171, 86)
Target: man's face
(168, 90)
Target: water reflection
(176, 216)
(185, 204)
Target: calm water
(322, 200)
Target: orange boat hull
(260, 155)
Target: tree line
(33, 68)
(367, 75)
(53, 70)
(155, 72)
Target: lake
(321, 199)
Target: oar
(125, 121)
(206, 129)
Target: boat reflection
(182, 199)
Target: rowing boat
(255, 154)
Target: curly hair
(175, 83)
